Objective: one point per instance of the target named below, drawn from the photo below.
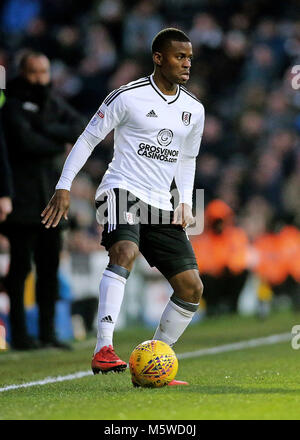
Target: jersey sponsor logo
(165, 137)
(186, 118)
(158, 153)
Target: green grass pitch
(247, 384)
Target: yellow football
(153, 364)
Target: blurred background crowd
(244, 51)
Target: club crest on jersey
(186, 118)
(165, 137)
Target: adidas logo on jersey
(152, 114)
(107, 319)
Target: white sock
(173, 322)
(112, 288)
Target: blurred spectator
(278, 112)
(94, 69)
(65, 82)
(278, 254)
(213, 136)
(253, 98)
(284, 145)
(69, 45)
(111, 14)
(38, 37)
(260, 67)
(269, 34)
(256, 216)
(39, 126)
(141, 24)
(205, 32)
(207, 175)
(127, 71)
(222, 256)
(291, 193)
(6, 189)
(99, 47)
(265, 180)
(82, 210)
(249, 133)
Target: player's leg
(21, 239)
(121, 241)
(181, 307)
(112, 286)
(168, 248)
(47, 257)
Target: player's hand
(5, 207)
(57, 208)
(183, 216)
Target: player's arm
(185, 174)
(105, 120)
(184, 180)
(59, 203)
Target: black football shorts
(125, 217)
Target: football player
(158, 125)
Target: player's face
(176, 62)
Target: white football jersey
(151, 132)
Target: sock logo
(107, 318)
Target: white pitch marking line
(48, 380)
(268, 340)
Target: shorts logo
(165, 137)
(129, 218)
(186, 118)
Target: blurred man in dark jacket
(38, 126)
(5, 172)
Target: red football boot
(106, 360)
(172, 383)
(175, 382)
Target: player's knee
(124, 254)
(196, 290)
(189, 287)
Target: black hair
(167, 35)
